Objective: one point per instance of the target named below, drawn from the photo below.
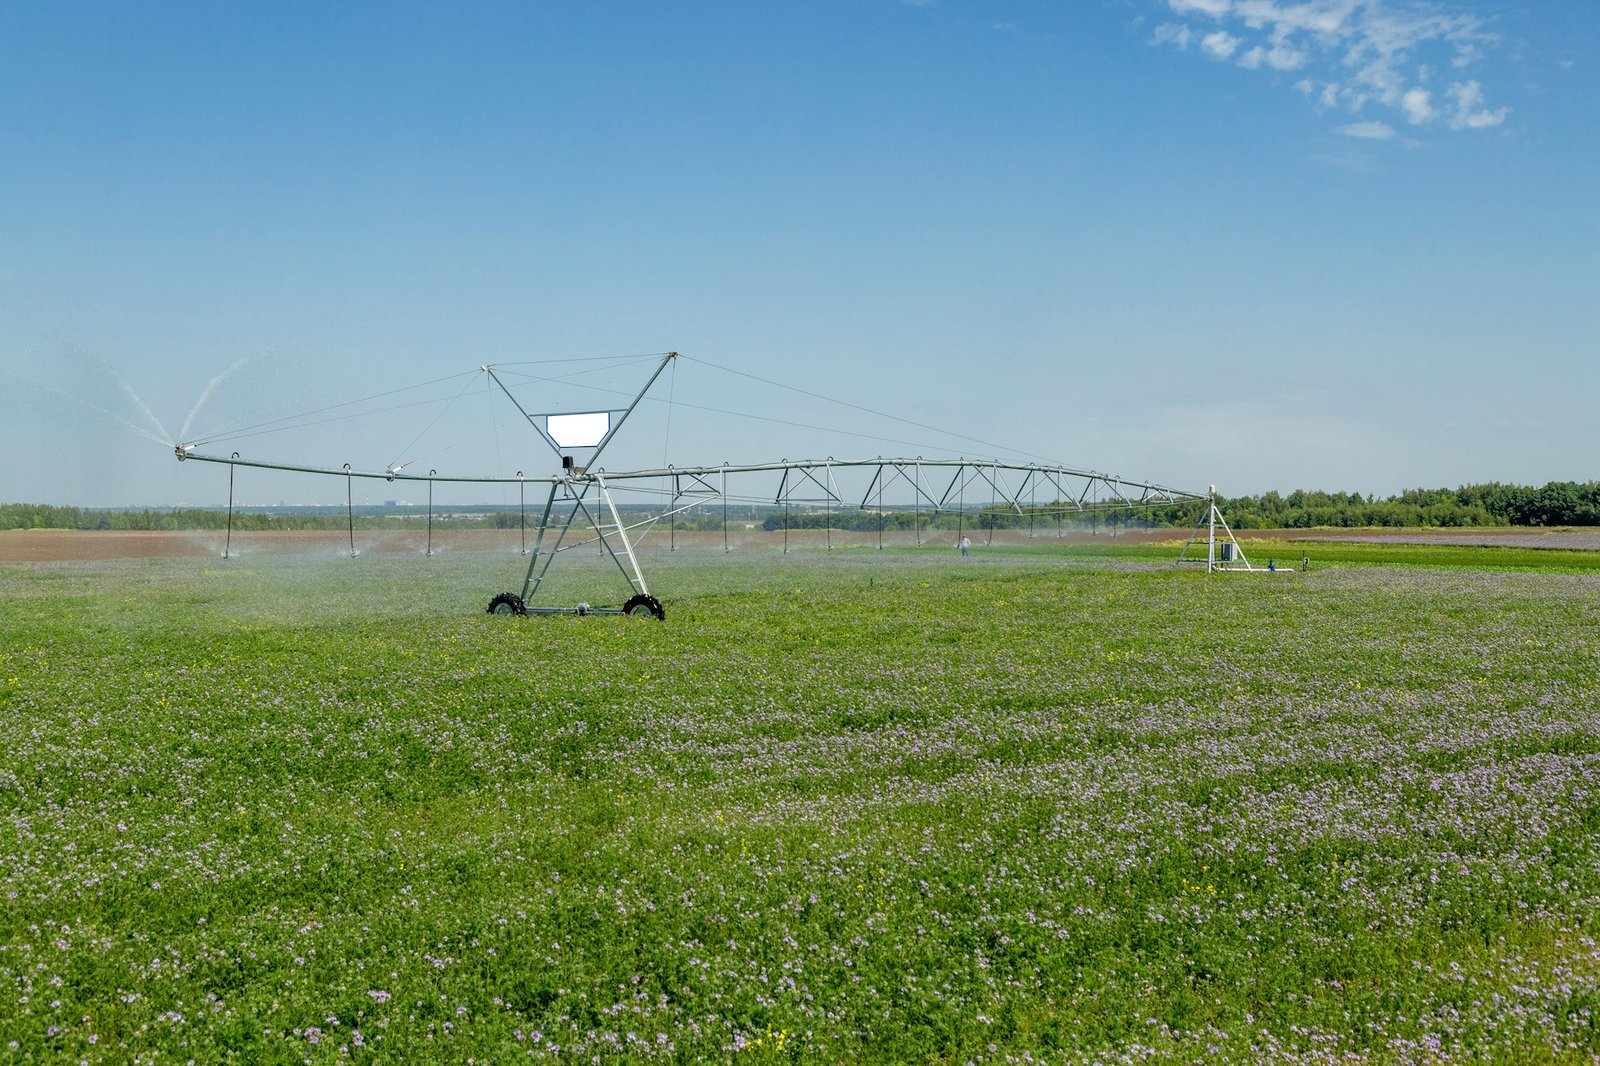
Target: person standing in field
(966, 546)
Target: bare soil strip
(69, 545)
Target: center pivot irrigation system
(580, 495)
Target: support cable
(430, 425)
(864, 410)
(250, 430)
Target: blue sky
(1341, 244)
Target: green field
(1325, 553)
(846, 806)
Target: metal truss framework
(581, 495)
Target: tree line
(1558, 503)
(49, 516)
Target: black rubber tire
(644, 604)
(507, 603)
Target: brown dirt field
(69, 545)
(65, 545)
(1576, 539)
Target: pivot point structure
(1224, 553)
(571, 435)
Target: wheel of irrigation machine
(644, 606)
(507, 603)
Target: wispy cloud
(1368, 131)
(1174, 34)
(1418, 106)
(1214, 8)
(1221, 44)
(1354, 57)
(1467, 108)
(1280, 56)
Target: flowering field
(839, 807)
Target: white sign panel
(578, 431)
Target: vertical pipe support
(431, 474)
(522, 507)
(1211, 533)
(880, 508)
(227, 545)
(916, 496)
(350, 507)
(827, 504)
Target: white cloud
(1418, 106)
(1214, 8)
(1325, 18)
(1469, 113)
(1467, 53)
(1332, 96)
(1369, 131)
(1172, 33)
(1220, 44)
(1278, 57)
(1357, 54)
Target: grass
(839, 807)
(1324, 552)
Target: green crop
(840, 806)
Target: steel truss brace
(897, 474)
(789, 493)
(695, 483)
(821, 473)
(609, 532)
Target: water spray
(205, 394)
(579, 494)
